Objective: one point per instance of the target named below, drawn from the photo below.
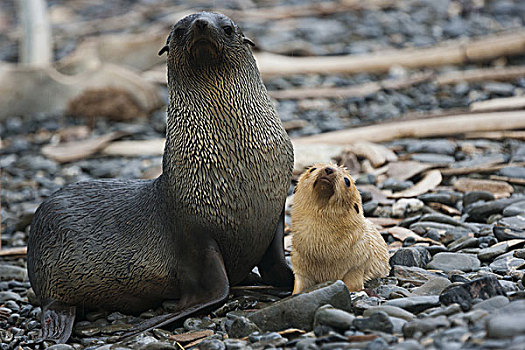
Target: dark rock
(5, 296)
(158, 346)
(61, 347)
(378, 321)
(329, 316)
(408, 344)
(516, 222)
(493, 251)
(505, 264)
(9, 272)
(298, 311)
(454, 261)
(425, 325)
(370, 207)
(506, 325)
(235, 344)
(500, 89)
(396, 185)
(514, 209)
(377, 344)
(447, 198)
(462, 243)
(475, 196)
(508, 233)
(433, 158)
(257, 337)
(413, 256)
(211, 344)
(398, 323)
(415, 304)
(481, 211)
(482, 288)
(432, 146)
(306, 344)
(242, 327)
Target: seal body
(332, 240)
(214, 213)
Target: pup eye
(311, 170)
(347, 182)
(228, 30)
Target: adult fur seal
(214, 213)
(332, 239)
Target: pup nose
(201, 23)
(328, 171)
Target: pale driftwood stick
(452, 52)
(496, 135)
(427, 127)
(13, 251)
(512, 180)
(36, 47)
(350, 91)
(499, 104)
(487, 168)
(483, 74)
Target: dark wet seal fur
(214, 213)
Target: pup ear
(356, 208)
(248, 41)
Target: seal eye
(179, 32)
(347, 182)
(312, 170)
(228, 30)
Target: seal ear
(248, 41)
(165, 48)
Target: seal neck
(217, 115)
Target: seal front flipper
(273, 267)
(57, 321)
(199, 294)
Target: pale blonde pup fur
(332, 240)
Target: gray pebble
(61, 347)
(415, 304)
(454, 261)
(235, 344)
(212, 344)
(412, 256)
(425, 325)
(492, 304)
(9, 272)
(390, 310)
(378, 321)
(514, 209)
(432, 158)
(332, 317)
(432, 287)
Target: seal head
(331, 187)
(204, 38)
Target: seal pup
(216, 211)
(332, 239)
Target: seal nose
(201, 23)
(329, 171)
